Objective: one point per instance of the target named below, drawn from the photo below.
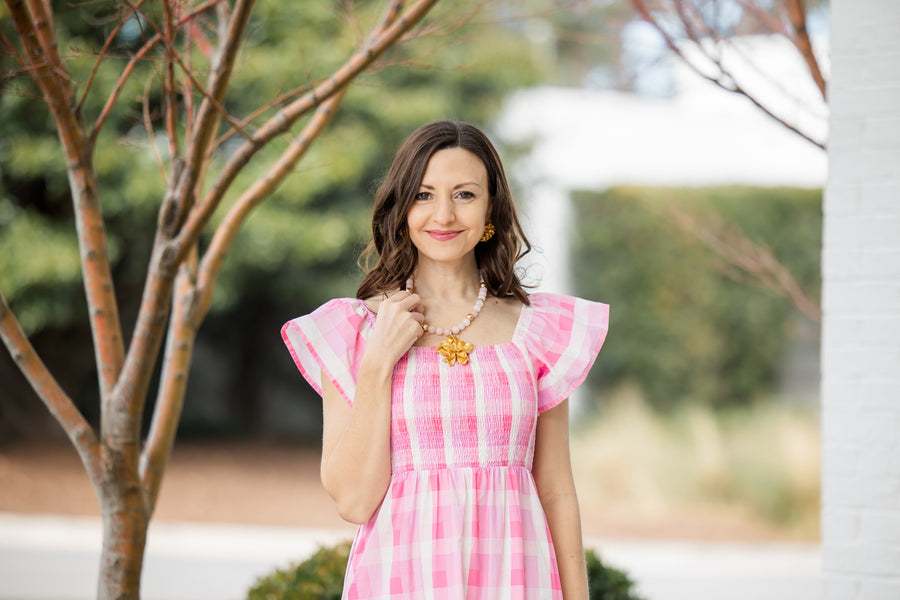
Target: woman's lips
(443, 236)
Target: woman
(445, 390)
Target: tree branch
(148, 127)
(169, 95)
(756, 260)
(43, 25)
(771, 21)
(180, 339)
(281, 99)
(132, 63)
(165, 260)
(281, 122)
(204, 128)
(100, 56)
(262, 188)
(53, 81)
(723, 73)
(169, 100)
(796, 10)
(49, 391)
(14, 52)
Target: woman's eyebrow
(457, 186)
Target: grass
(761, 462)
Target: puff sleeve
(330, 340)
(564, 336)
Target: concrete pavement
(46, 557)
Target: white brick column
(861, 302)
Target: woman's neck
(449, 283)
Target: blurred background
(695, 216)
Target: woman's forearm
(564, 521)
(356, 471)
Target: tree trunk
(125, 524)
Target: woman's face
(447, 217)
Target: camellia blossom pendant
(455, 350)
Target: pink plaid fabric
(462, 517)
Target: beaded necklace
(453, 349)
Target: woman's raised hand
(398, 325)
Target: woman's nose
(444, 210)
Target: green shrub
(321, 577)
(607, 583)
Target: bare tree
(126, 470)
(708, 42)
(708, 36)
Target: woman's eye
(464, 195)
(423, 196)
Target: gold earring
(488, 232)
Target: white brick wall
(861, 304)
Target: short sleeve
(330, 340)
(564, 336)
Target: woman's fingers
(401, 316)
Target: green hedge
(681, 326)
(321, 577)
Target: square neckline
(516, 335)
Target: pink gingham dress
(461, 517)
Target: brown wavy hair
(394, 254)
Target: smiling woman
(450, 213)
(451, 455)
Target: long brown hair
(397, 257)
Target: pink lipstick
(443, 236)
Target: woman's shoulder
(550, 302)
(554, 316)
(334, 312)
(341, 305)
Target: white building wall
(861, 302)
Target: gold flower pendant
(455, 350)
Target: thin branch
(49, 391)
(688, 24)
(796, 10)
(148, 127)
(185, 82)
(203, 131)
(283, 120)
(169, 96)
(768, 19)
(286, 97)
(172, 58)
(133, 62)
(752, 258)
(220, 109)
(262, 188)
(729, 86)
(13, 51)
(100, 57)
